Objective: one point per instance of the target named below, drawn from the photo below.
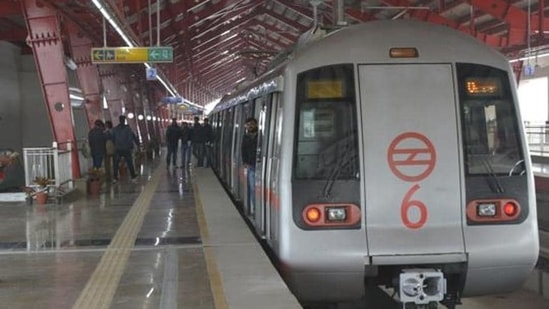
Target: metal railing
(537, 137)
(50, 162)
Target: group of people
(195, 139)
(111, 145)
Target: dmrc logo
(412, 158)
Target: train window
(326, 143)
(490, 125)
(318, 123)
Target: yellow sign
(324, 89)
(131, 54)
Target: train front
(409, 169)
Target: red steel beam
(45, 35)
(9, 8)
(292, 23)
(13, 35)
(88, 76)
(112, 90)
(215, 55)
(229, 29)
(300, 10)
(433, 17)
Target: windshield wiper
(341, 163)
(498, 188)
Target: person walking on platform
(97, 140)
(207, 132)
(186, 146)
(196, 140)
(109, 147)
(249, 152)
(202, 137)
(124, 139)
(173, 133)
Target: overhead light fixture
(76, 97)
(105, 103)
(103, 9)
(70, 63)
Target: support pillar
(139, 108)
(129, 105)
(45, 39)
(113, 91)
(88, 76)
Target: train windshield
(489, 122)
(326, 143)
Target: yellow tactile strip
(216, 283)
(100, 289)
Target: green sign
(131, 54)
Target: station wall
(24, 121)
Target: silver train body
(390, 153)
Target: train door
(236, 157)
(412, 178)
(273, 167)
(227, 145)
(261, 164)
(221, 151)
(214, 120)
(247, 112)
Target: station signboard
(157, 54)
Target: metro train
(390, 154)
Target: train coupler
(421, 287)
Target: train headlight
(493, 211)
(326, 215)
(510, 209)
(313, 214)
(336, 214)
(486, 210)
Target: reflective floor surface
(59, 255)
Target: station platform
(172, 240)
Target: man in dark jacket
(173, 133)
(206, 137)
(97, 141)
(123, 138)
(109, 151)
(249, 153)
(186, 146)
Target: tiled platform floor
(49, 252)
